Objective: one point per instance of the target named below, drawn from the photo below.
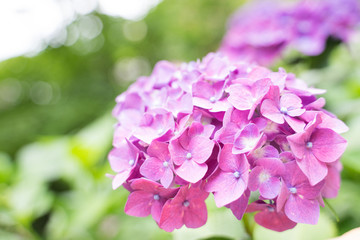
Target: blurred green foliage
(56, 126)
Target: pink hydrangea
(230, 129)
(260, 32)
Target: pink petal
(124, 157)
(282, 197)
(310, 127)
(171, 217)
(328, 146)
(286, 157)
(302, 210)
(260, 88)
(240, 97)
(203, 90)
(327, 121)
(332, 183)
(191, 171)
(267, 151)
(254, 183)
(312, 168)
(317, 104)
(291, 102)
(305, 190)
(152, 168)
(195, 215)
(201, 102)
(271, 111)
(145, 185)
(159, 150)
(156, 209)
(226, 187)
(177, 152)
(238, 207)
(220, 106)
(229, 162)
(297, 144)
(197, 128)
(168, 177)
(293, 175)
(201, 148)
(273, 220)
(296, 124)
(247, 139)
(183, 104)
(226, 134)
(271, 188)
(120, 178)
(273, 165)
(139, 204)
(120, 134)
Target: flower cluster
(230, 129)
(260, 32)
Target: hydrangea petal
(328, 146)
(138, 205)
(302, 210)
(191, 171)
(312, 168)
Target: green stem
(332, 210)
(248, 226)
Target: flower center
(270, 209)
(283, 110)
(188, 156)
(309, 145)
(212, 99)
(131, 162)
(292, 190)
(156, 197)
(165, 164)
(236, 174)
(264, 177)
(186, 203)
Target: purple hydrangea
(261, 31)
(231, 129)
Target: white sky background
(28, 26)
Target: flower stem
(332, 210)
(248, 225)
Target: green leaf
(6, 168)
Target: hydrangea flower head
(261, 31)
(228, 129)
